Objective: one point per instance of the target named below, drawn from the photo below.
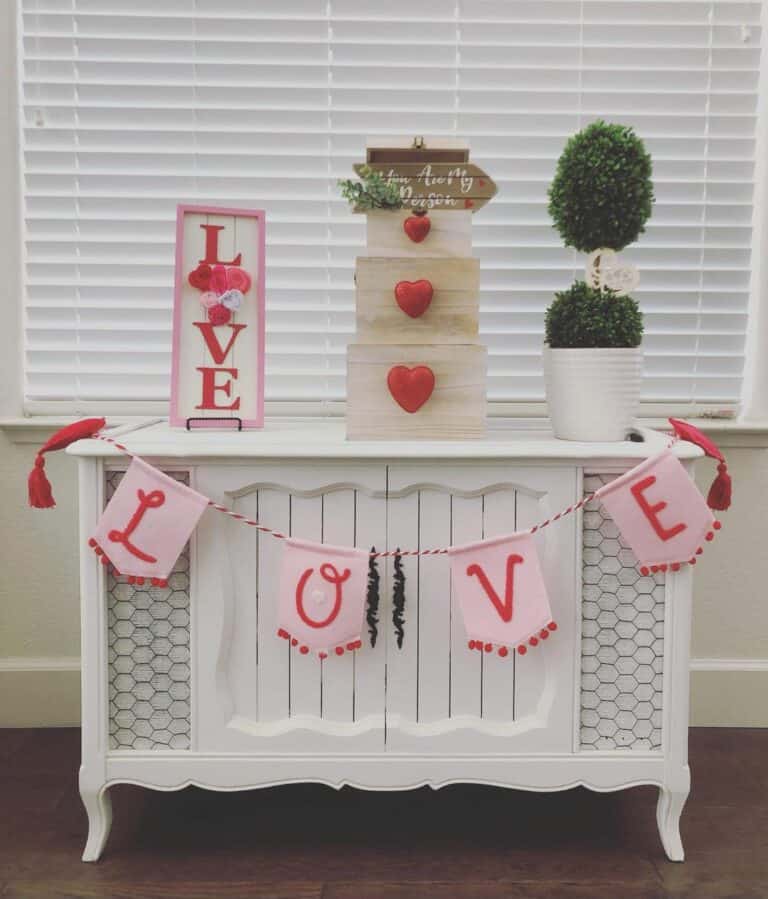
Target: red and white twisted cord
(375, 555)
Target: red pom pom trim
(321, 654)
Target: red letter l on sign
(212, 247)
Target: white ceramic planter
(592, 394)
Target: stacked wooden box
(417, 368)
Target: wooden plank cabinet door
(443, 697)
(252, 691)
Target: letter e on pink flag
(501, 592)
(147, 522)
(322, 596)
(659, 511)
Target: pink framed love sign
(217, 378)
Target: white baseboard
(729, 692)
(45, 692)
(40, 692)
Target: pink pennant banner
(322, 597)
(146, 524)
(660, 513)
(502, 593)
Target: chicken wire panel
(148, 639)
(622, 643)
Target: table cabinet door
(442, 696)
(254, 692)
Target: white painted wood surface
(432, 712)
(311, 439)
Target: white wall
(39, 630)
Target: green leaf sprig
(373, 191)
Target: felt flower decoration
(208, 299)
(201, 276)
(232, 299)
(219, 315)
(238, 279)
(219, 279)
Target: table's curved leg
(668, 811)
(98, 807)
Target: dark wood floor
(310, 842)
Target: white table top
(324, 438)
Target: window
(129, 108)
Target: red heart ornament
(413, 297)
(417, 227)
(201, 276)
(411, 387)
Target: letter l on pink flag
(147, 523)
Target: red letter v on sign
(212, 341)
(503, 608)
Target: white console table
(189, 684)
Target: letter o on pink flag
(147, 522)
(659, 510)
(322, 594)
(501, 589)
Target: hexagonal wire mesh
(622, 645)
(148, 637)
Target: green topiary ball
(585, 316)
(602, 192)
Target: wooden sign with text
(218, 318)
(438, 185)
(432, 174)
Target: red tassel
(39, 487)
(719, 496)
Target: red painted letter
(330, 573)
(652, 512)
(212, 341)
(503, 608)
(152, 500)
(210, 387)
(212, 246)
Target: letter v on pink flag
(501, 590)
(322, 596)
(659, 510)
(146, 524)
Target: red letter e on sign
(651, 512)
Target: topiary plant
(584, 317)
(602, 192)
(373, 191)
